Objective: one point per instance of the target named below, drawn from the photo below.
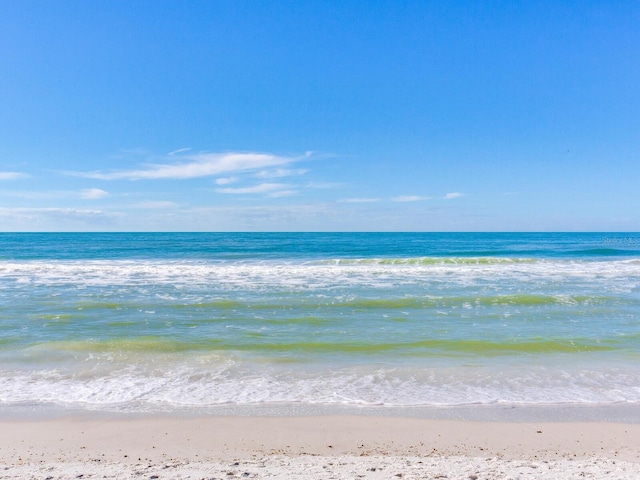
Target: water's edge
(620, 413)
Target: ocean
(175, 322)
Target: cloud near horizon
(198, 165)
(74, 214)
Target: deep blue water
(257, 246)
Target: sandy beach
(318, 447)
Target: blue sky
(319, 116)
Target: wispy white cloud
(360, 200)
(88, 193)
(180, 150)
(93, 193)
(261, 188)
(452, 195)
(226, 180)
(12, 175)
(283, 193)
(281, 172)
(409, 198)
(198, 165)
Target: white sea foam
(135, 388)
(618, 275)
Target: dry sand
(320, 447)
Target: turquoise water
(150, 322)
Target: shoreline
(628, 413)
(295, 446)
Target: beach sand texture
(321, 447)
